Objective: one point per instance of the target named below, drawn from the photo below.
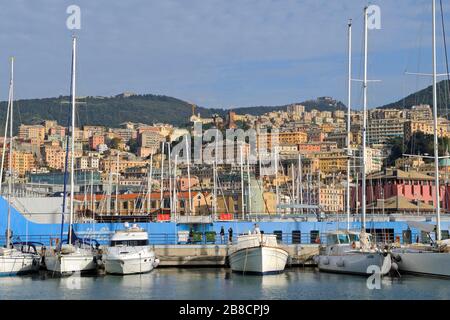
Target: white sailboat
(257, 253)
(129, 252)
(422, 259)
(346, 251)
(74, 256)
(14, 259)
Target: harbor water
(221, 284)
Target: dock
(215, 255)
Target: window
(296, 237)
(129, 243)
(406, 236)
(279, 235)
(382, 235)
(314, 235)
(424, 237)
(343, 239)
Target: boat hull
(355, 263)
(69, 264)
(259, 260)
(130, 264)
(424, 263)
(16, 265)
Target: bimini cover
(423, 226)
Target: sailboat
(347, 251)
(77, 255)
(422, 259)
(12, 259)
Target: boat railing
(314, 237)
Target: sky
(217, 53)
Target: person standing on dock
(191, 235)
(222, 235)
(230, 235)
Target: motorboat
(129, 252)
(258, 254)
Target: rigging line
(446, 55)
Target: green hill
(107, 111)
(112, 111)
(424, 96)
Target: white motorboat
(129, 252)
(257, 254)
(345, 253)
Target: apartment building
(22, 162)
(412, 126)
(27, 132)
(384, 124)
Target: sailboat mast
(364, 133)
(116, 203)
(188, 158)
(293, 187)
(249, 195)
(300, 183)
(10, 169)
(92, 195)
(242, 182)
(149, 185)
(215, 180)
(5, 144)
(170, 177)
(72, 142)
(161, 199)
(349, 110)
(277, 192)
(436, 146)
(175, 201)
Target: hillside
(109, 111)
(424, 96)
(321, 104)
(112, 111)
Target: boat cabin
(129, 237)
(342, 237)
(343, 241)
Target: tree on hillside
(114, 143)
(419, 144)
(134, 145)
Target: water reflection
(208, 283)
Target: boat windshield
(337, 239)
(353, 237)
(128, 243)
(343, 239)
